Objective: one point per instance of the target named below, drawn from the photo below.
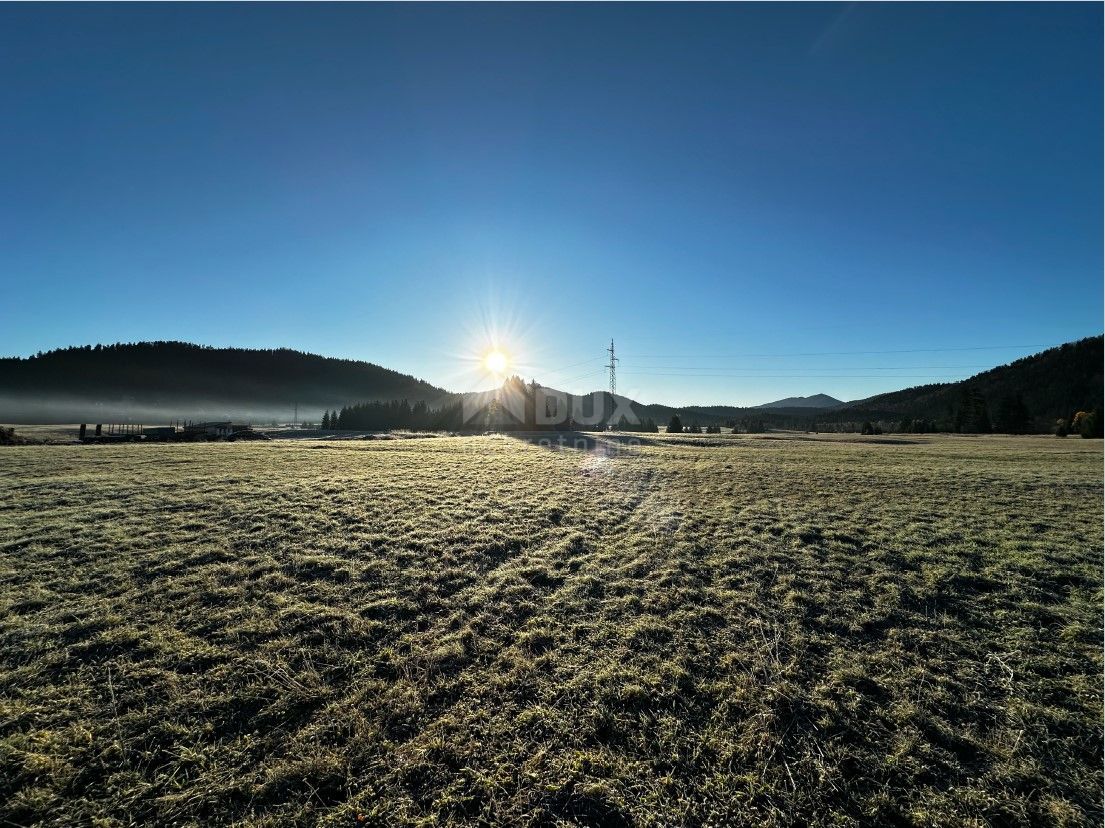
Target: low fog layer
(20, 409)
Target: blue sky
(754, 200)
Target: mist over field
(76, 409)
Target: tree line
(512, 408)
(747, 426)
(395, 415)
(973, 416)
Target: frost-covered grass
(480, 630)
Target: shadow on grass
(580, 440)
(874, 440)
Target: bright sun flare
(495, 362)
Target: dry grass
(48, 433)
(706, 631)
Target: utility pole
(295, 417)
(612, 366)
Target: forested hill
(158, 381)
(165, 380)
(1052, 384)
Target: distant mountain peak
(815, 401)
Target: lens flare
(496, 362)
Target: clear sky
(754, 201)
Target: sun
(496, 362)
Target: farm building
(213, 430)
(160, 433)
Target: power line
(573, 365)
(696, 371)
(815, 368)
(798, 376)
(840, 353)
(583, 376)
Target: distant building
(219, 429)
(162, 433)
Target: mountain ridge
(159, 381)
(812, 401)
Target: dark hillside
(1054, 383)
(149, 380)
(157, 381)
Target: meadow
(707, 631)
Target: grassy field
(480, 630)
